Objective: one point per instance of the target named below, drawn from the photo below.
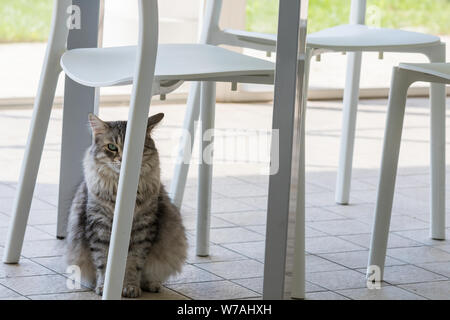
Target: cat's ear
(153, 121)
(97, 125)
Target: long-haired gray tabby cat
(158, 243)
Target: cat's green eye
(112, 147)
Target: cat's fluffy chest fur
(158, 243)
(102, 184)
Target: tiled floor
(337, 236)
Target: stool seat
(363, 38)
(349, 37)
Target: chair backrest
(212, 34)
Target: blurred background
(25, 24)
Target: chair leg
(126, 199)
(350, 106)
(36, 136)
(437, 151)
(186, 144)
(389, 164)
(299, 272)
(207, 113)
(32, 158)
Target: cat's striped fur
(158, 243)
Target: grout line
(12, 291)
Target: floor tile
(320, 199)
(335, 280)
(351, 211)
(163, 294)
(7, 293)
(7, 204)
(313, 188)
(260, 203)
(356, 259)
(423, 236)
(25, 267)
(47, 228)
(309, 232)
(15, 298)
(442, 268)
(42, 217)
(38, 284)
(329, 244)
(394, 240)
(57, 264)
(216, 290)
(258, 229)
(341, 227)
(240, 190)
(4, 220)
(232, 235)
(234, 269)
(192, 273)
(403, 222)
(384, 293)
(246, 218)
(327, 295)
(408, 274)
(433, 290)
(318, 264)
(256, 284)
(45, 189)
(445, 248)
(229, 205)
(43, 248)
(31, 234)
(321, 214)
(254, 250)
(7, 191)
(216, 253)
(190, 222)
(88, 295)
(419, 254)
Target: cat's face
(109, 137)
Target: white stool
(403, 77)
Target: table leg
(283, 183)
(79, 101)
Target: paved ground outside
(337, 236)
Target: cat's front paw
(99, 290)
(151, 286)
(131, 291)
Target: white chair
(354, 38)
(152, 70)
(402, 78)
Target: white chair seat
(441, 70)
(254, 37)
(349, 37)
(101, 67)
(364, 38)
